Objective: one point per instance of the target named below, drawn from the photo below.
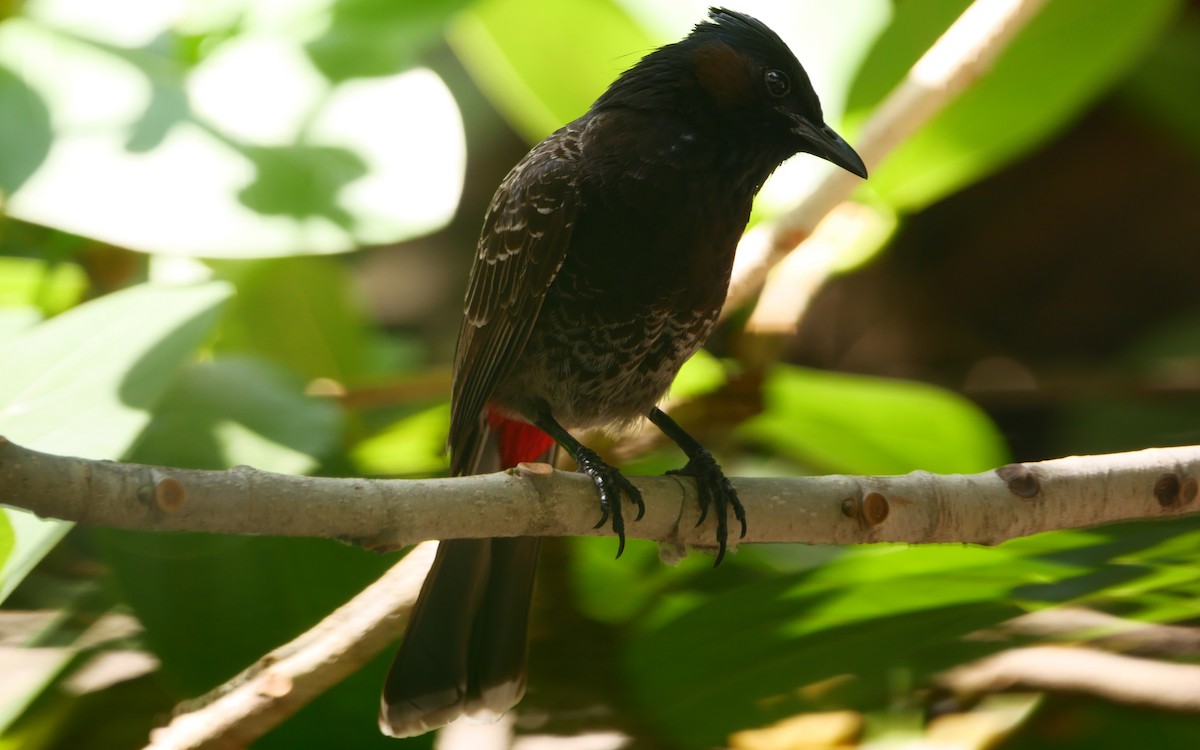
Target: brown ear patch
(726, 74)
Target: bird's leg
(610, 483)
(712, 485)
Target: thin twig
(956, 60)
(283, 681)
(1063, 669)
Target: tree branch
(534, 500)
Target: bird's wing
(524, 240)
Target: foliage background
(237, 232)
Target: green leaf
(130, 135)
(1162, 87)
(540, 80)
(8, 539)
(212, 605)
(1069, 54)
(415, 444)
(24, 131)
(829, 39)
(299, 313)
(240, 411)
(860, 631)
(84, 384)
(616, 591)
(378, 37)
(862, 425)
(824, 638)
(702, 373)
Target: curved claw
(635, 497)
(603, 516)
(714, 490)
(611, 485)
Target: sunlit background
(238, 232)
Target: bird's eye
(777, 83)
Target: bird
(602, 265)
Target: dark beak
(820, 140)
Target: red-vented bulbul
(603, 263)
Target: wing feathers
(524, 241)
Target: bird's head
(739, 74)
(750, 73)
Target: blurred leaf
(415, 444)
(240, 411)
(298, 312)
(825, 638)
(1081, 723)
(861, 631)
(8, 539)
(1067, 56)
(862, 425)
(83, 384)
(829, 39)
(540, 80)
(213, 604)
(312, 168)
(32, 539)
(128, 344)
(612, 590)
(267, 408)
(378, 37)
(702, 373)
(51, 288)
(24, 132)
(1164, 85)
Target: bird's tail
(465, 649)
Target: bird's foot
(715, 492)
(611, 484)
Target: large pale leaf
(215, 134)
(210, 604)
(84, 384)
